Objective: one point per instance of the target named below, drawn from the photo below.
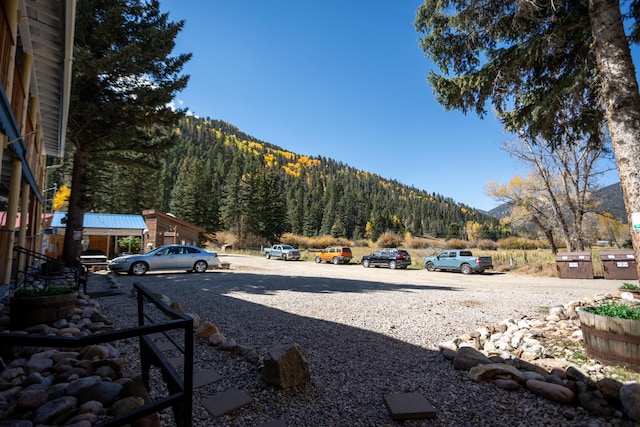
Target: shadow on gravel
(265, 284)
(353, 367)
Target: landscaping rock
(468, 357)
(554, 392)
(285, 366)
(610, 389)
(55, 411)
(489, 372)
(206, 329)
(630, 397)
(594, 402)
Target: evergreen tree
(269, 214)
(123, 82)
(230, 210)
(186, 196)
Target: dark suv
(387, 257)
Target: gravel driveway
(365, 333)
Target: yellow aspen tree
(61, 199)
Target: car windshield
(157, 250)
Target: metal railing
(30, 265)
(180, 388)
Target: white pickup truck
(458, 260)
(285, 252)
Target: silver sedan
(170, 257)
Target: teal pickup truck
(458, 260)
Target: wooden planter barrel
(611, 340)
(29, 311)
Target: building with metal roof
(101, 232)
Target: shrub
(389, 239)
(293, 239)
(42, 292)
(420, 243)
(457, 244)
(617, 310)
(361, 243)
(513, 242)
(225, 238)
(130, 244)
(487, 245)
(314, 242)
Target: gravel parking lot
(365, 332)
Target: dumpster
(620, 265)
(574, 265)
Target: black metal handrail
(29, 265)
(180, 389)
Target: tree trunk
(621, 100)
(548, 233)
(75, 215)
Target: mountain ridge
(610, 198)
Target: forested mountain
(222, 179)
(609, 199)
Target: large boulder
(284, 366)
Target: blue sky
(340, 79)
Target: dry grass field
(536, 262)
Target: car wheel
(430, 267)
(365, 263)
(465, 268)
(335, 260)
(318, 260)
(138, 268)
(200, 267)
(268, 255)
(393, 265)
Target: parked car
(285, 252)
(169, 257)
(334, 254)
(458, 260)
(387, 257)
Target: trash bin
(620, 265)
(574, 265)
